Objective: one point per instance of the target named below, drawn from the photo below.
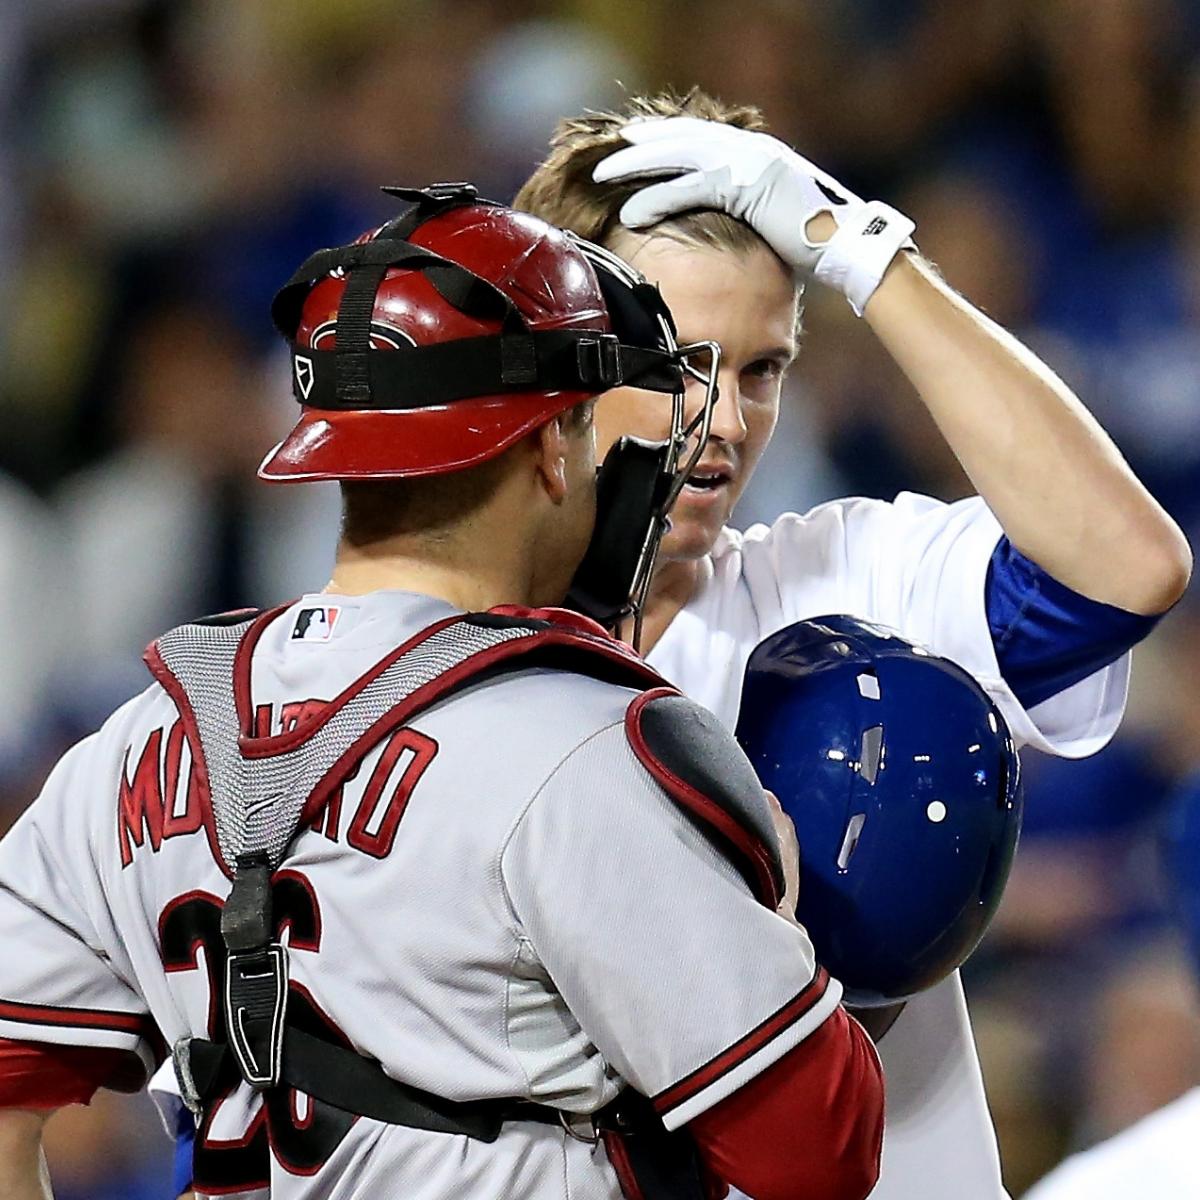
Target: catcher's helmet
(439, 340)
(902, 781)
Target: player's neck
(671, 588)
(471, 581)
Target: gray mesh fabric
(257, 802)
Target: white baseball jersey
(1156, 1158)
(918, 566)
(500, 902)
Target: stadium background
(168, 163)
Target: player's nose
(728, 423)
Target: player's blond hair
(561, 189)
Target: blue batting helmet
(902, 780)
(1181, 846)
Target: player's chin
(692, 533)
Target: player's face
(745, 301)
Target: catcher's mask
(439, 340)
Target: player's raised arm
(1060, 488)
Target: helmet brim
(406, 443)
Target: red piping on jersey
(579, 630)
(280, 743)
(747, 843)
(241, 665)
(566, 618)
(747, 1046)
(159, 669)
(78, 1018)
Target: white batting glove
(757, 179)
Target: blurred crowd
(170, 161)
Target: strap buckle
(256, 993)
(461, 193)
(599, 360)
(580, 1126)
(189, 1093)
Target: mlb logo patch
(315, 624)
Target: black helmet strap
(351, 376)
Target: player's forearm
(23, 1174)
(1059, 487)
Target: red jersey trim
(78, 1018)
(241, 665)
(45, 1075)
(755, 857)
(159, 669)
(746, 1047)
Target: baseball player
(1156, 1156)
(427, 892)
(1039, 585)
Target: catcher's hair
(561, 189)
(429, 507)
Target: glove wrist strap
(868, 237)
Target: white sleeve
(58, 978)
(936, 1107)
(920, 566)
(1155, 1157)
(683, 981)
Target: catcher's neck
(471, 588)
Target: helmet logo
(384, 336)
(304, 374)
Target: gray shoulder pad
(702, 768)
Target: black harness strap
(357, 1085)
(418, 377)
(478, 297)
(352, 378)
(516, 359)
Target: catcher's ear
(552, 446)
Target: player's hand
(757, 179)
(789, 853)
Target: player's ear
(552, 446)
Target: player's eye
(765, 368)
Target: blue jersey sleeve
(185, 1141)
(1048, 637)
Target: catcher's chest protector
(259, 792)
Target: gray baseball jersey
(501, 902)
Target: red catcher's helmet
(549, 284)
(455, 329)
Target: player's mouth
(709, 482)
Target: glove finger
(655, 158)
(660, 200)
(643, 130)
